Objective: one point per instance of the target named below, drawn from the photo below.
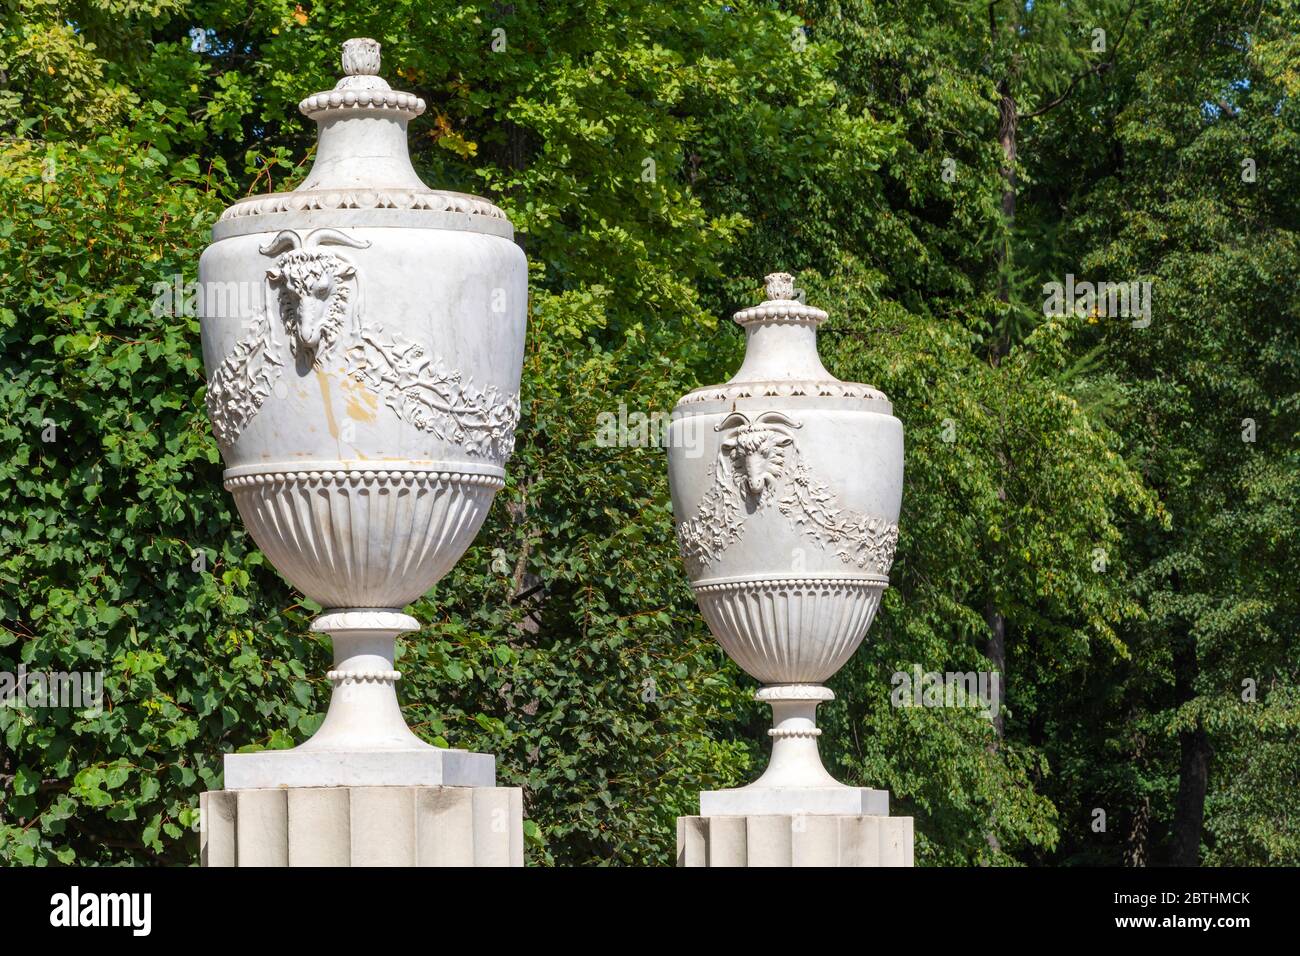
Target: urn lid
(781, 359)
(362, 173)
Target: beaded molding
(364, 677)
(813, 732)
(780, 310)
(778, 389)
(373, 99)
(434, 200)
(794, 692)
(364, 479)
(769, 584)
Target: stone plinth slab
(363, 826)
(422, 767)
(797, 840)
(792, 801)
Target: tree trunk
(1193, 765)
(995, 649)
(1135, 846)
(1008, 122)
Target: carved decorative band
(363, 619)
(791, 584)
(364, 677)
(314, 291)
(362, 99)
(759, 469)
(775, 389)
(363, 479)
(785, 734)
(779, 692)
(436, 200)
(780, 311)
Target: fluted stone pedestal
(796, 813)
(794, 840)
(363, 826)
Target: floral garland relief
(757, 459)
(315, 290)
(243, 381)
(423, 391)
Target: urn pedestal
(771, 839)
(362, 826)
(786, 486)
(363, 337)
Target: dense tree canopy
(1104, 508)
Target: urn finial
(361, 57)
(780, 285)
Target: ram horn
(776, 418)
(735, 418)
(321, 237)
(287, 239)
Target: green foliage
(1212, 663)
(566, 641)
(656, 159)
(112, 495)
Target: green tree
(1197, 194)
(1081, 512)
(566, 639)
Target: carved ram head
(755, 450)
(315, 287)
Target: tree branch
(1095, 70)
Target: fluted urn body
(786, 487)
(363, 338)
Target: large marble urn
(786, 487)
(363, 337)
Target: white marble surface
(770, 840)
(362, 826)
(787, 486)
(363, 339)
(789, 801)
(422, 767)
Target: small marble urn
(363, 337)
(786, 487)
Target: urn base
(362, 826)
(424, 766)
(364, 740)
(792, 801)
(855, 840)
